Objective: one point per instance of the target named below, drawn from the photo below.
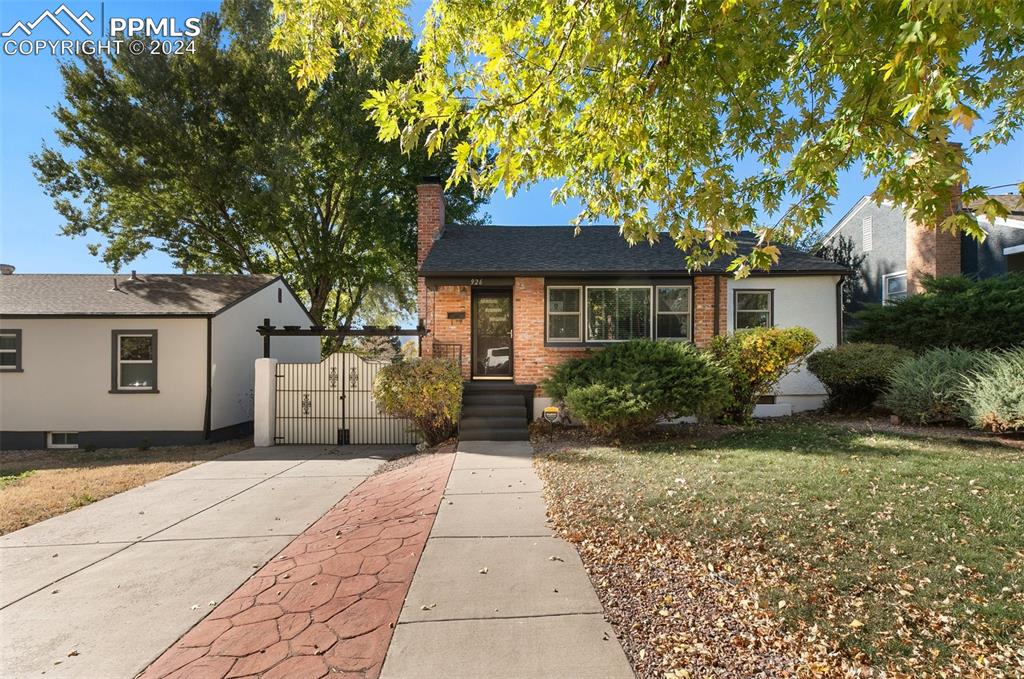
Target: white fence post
(265, 406)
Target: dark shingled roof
(150, 295)
(1011, 201)
(550, 250)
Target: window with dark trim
(672, 312)
(753, 309)
(565, 313)
(618, 313)
(62, 439)
(133, 366)
(10, 350)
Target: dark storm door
(492, 334)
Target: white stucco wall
(66, 380)
(807, 301)
(236, 345)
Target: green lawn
(887, 550)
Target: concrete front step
(488, 433)
(494, 411)
(494, 422)
(485, 399)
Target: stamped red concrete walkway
(328, 603)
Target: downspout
(209, 377)
(839, 311)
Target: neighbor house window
(894, 287)
(565, 314)
(617, 314)
(62, 439)
(672, 312)
(867, 234)
(134, 366)
(10, 350)
(753, 309)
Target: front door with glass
(492, 334)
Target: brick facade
(704, 308)
(435, 305)
(931, 252)
(532, 361)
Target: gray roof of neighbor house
(149, 295)
(551, 250)
(1011, 201)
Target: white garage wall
(235, 346)
(65, 382)
(807, 301)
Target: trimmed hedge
(625, 388)
(929, 389)
(428, 391)
(856, 374)
(995, 392)
(951, 312)
(756, 360)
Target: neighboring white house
(124, 361)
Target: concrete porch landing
(496, 594)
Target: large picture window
(753, 309)
(672, 314)
(10, 350)
(134, 368)
(565, 314)
(617, 314)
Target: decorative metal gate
(332, 402)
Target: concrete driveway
(103, 590)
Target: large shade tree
(216, 158)
(693, 116)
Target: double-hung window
(565, 314)
(10, 350)
(618, 313)
(134, 365)
(894, 287)
(753, 309)
(672, 313)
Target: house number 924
(476, 281)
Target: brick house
(898, 252)
(512, 302)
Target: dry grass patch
(38, 484)
(802, 550)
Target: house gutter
(839, 310)
(209, 377)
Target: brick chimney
(429, 216)
(931, 252)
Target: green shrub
(856, 374)
(995, 392)
(426, 391)
(756, 360)
(626, 387)
(951, 312)
(930, 388)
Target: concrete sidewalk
(103, 590)
(496, 594)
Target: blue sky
(30, 86)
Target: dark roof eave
(706, 272)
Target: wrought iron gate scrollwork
(331, 402)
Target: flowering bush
(427, 391)
(756, 360)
